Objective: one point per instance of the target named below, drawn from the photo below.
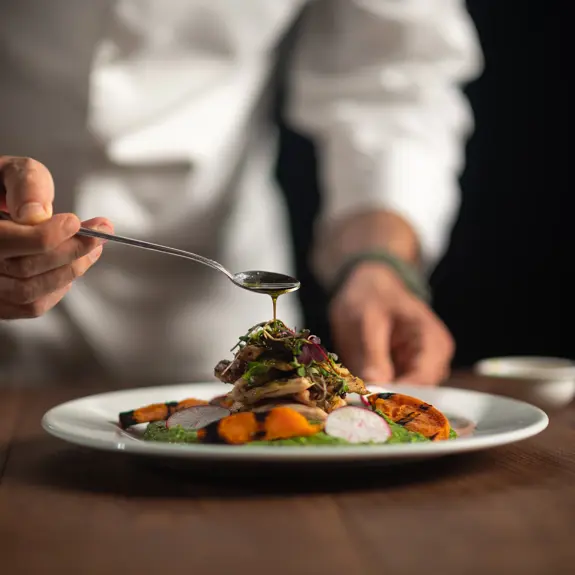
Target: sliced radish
(357, 425)
(197, 417)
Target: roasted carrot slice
(412, 413)
(285, 423)
(240, 428)
(235, 429)
(156, 412)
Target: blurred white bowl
(547, 382)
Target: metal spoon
(270, 283)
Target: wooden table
(65, 510)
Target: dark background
(505, 285)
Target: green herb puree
(159, 432)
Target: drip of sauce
(275, 304)
(273, 293)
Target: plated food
(287, 389)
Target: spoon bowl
(269, 283)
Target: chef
(151, 118)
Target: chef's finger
(376, 365)
(27, 291)
(66, 253)
(429, 363)
(21, 240)
(29, 189)
(37, 308)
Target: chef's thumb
(29, 189)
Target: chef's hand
(385, 334)
(39, 255)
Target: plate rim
(133, 446)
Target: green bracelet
(409, 275)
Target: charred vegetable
(155, 412)
(412, 413)
(240, 428)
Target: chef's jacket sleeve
(378, 85)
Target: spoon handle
(87, 232)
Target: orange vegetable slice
(235, 429)
(412, 413)
(240, 428)
(285, 423)
(156, 412)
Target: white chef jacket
(153, 113)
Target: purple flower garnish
(311, 352)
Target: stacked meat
(275, 366)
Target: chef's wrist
(376, 235)
(409, 275)
(375, 230)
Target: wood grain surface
(67, 510)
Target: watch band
(413, 279)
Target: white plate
(91, 422)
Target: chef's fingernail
(33, 213)
(95, 254)
(104, 228)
